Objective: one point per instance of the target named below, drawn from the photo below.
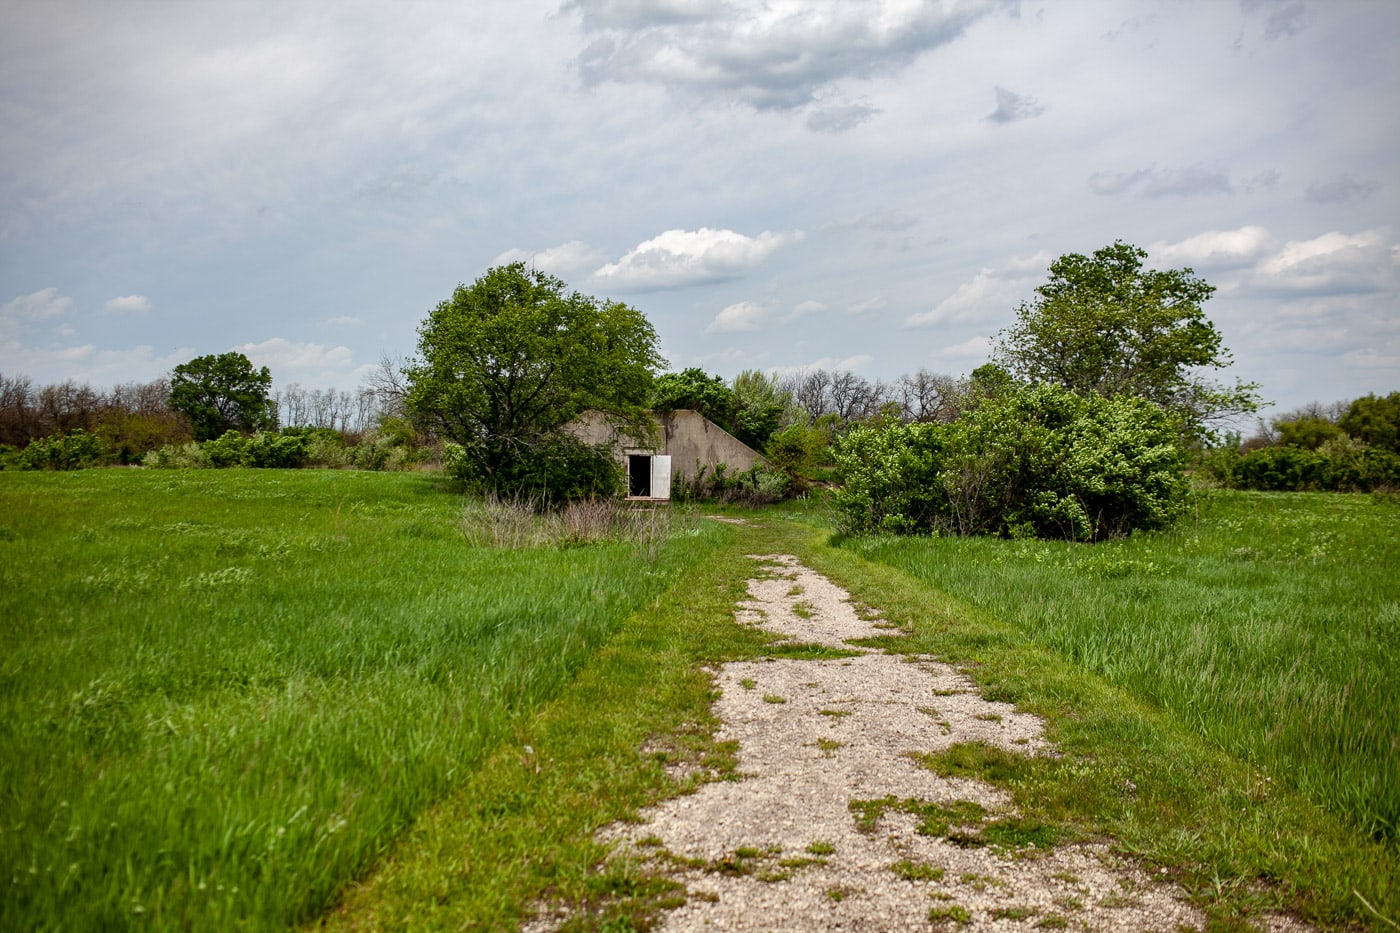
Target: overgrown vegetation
(1267, 622)
(757, 486)
(508, 361)
(1353, 447)
(224, 694)
(1031, 462)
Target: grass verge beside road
(223, 694)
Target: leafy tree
(760, 406)
(223, 393)
(696, 390)
(1309, 433)
(1105, 325)
(508, 361)
(1375, 421)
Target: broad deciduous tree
(1104, 324)
(1375, 420)
(221, 393)
(506, 362)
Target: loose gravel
(781, 847)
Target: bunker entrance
(648, 476)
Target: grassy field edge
(1240, 845)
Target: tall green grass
(224, 694)
(1270, 623)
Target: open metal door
(661, 476)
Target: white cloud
(1013, 107)
(742, 316)
(1341, 189)
(566, 258)
(838, 118)
(97, 367)
(27, 314)
(829, 363)
(1158, 183)
(804, 308)
(976, 347)
(75, 354)
(128, 304)
(1334, 262)
(1214, 249)
(42, 305)
(991, 295)
(688, 257)
(305, 363)
(1372, 359)
(769, 56)
(877, 303)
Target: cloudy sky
(865, 184)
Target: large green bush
(891, 478)
(72, 451)
(1037, 461)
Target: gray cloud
(641, 14)
(1012, 107)
(839, 119)
(1341, 189)
(768, 59)
(1288, 20)
(1160, 183)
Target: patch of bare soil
(833, 824)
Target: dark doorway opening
(639, 476)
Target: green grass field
(223, 694)
(272, 699)
(1268, 623)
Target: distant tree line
(219, 400)
(1344, 446)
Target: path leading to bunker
(834, 824)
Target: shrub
(795, 451)
(1375, 420)
(328, 449)
(188, 456)
(73, 451)
(225, 451)
(1280, 469)
(554, 470)
(1035, 462)
(1308, 432)
(891, 478)
(266, 450)
(1352, 466)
